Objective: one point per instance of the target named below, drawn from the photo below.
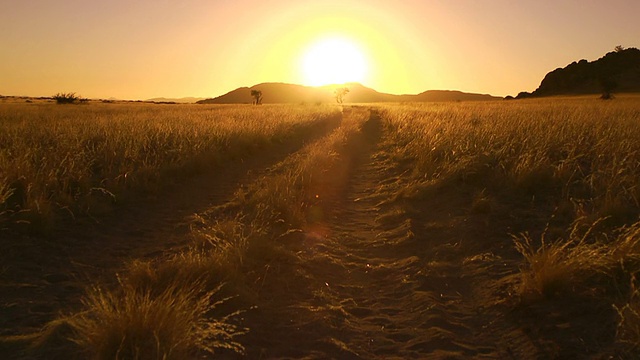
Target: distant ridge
(276, 93)
(185, 100)
(618, 70)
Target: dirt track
(371, 276)
(371, 281)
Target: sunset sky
(204, 48)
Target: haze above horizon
(198, 48)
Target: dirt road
(367, 283)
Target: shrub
(66, 98)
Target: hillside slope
(290, 93)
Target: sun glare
(333, 60)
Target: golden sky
(204, 48)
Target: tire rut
(368, 283)
(377, 281)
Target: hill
(274, 93)
(185, 100)
(617, 71)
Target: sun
(333, 60)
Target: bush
(66, 98)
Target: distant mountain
(273, 93)
(185, 100)
(618, 70)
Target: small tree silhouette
(607, 85)
(340, 93)
(65, 98)
(257, 97)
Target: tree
(607, 85)
(257, 97)
(340, 93)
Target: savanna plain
(496, 230)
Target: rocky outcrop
(617, 71)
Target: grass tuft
(561, 266)
(136, 324)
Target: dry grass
(133, 323)
(606, 271)
(578, 152)
(560, 266)
(628, 334)
(165, 308)
(576, 158)
(572, 161)
(82, 159)
(301, 181)
(625, 251)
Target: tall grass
(577, 157)
(572, 161)
(78, 160)
(576, 153)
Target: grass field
(67, 160)
(505, 229)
